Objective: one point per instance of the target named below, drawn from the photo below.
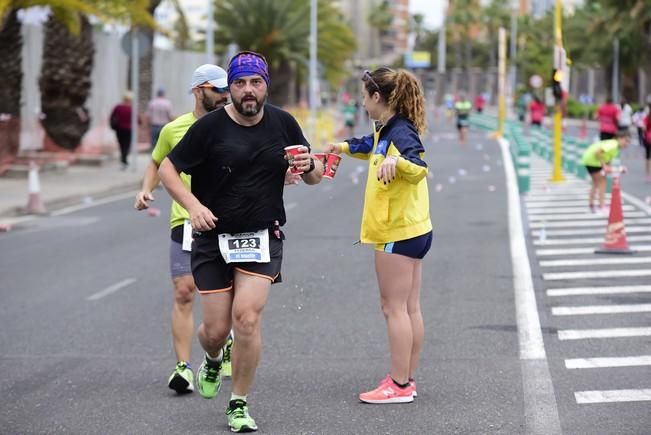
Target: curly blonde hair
(402, 92)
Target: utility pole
(313, 70)
(210, 31)
(440, 67)
(559, 65)
(501, 81)
(513, 72)
(615, 91)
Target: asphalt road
(85, 344)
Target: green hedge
(576, 109)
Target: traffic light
(557, 79)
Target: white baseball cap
(212, 74)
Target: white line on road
(579, 251)
(582, 216)
(540, 409)
(595, 261)
(637, 202)
(566, 210)
(601, 309)
(587, 231)
(593, 363)
(596, 274)
(93, 203)
(608, 396)
(580, 291)
(111, 289)
(587, 223)
(580, 334)
(586, 240)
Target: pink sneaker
(388, 392)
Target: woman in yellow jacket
(396, 217)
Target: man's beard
(208, 105)
(249, 110)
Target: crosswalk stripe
(594, 274)
(608, 396)
(580, 291)
(579, 251)
(585, 240)
(582, 216)
(625, 361)
(580, 334)
(587, 231)
(595, 261)
(566, 210)
(534, 205)
(587, 223)
(601, 309)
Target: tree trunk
(279, 85)
(11, 59)
(65, 82)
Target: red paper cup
(322, 157)
(332, 163)
(292, 151)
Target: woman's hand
(387, 170)
(333, 148)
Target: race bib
(245, 247)
(187, 236)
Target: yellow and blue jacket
(398, 210)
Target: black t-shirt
(239, 172)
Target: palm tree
(61, 66)
(280, 31)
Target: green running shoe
(209, 380)
(181, 379)
(238, 417)
(227, 369)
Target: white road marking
(592, 363)
(582, 216)
(588, 223)
(595, 261)
(95, 202)
(596, 274)
(535, 205)
(601, 309)
(111, 289)
(580, 291)
(637, 202)
(587, 231)
(566, 210)
(580, 334)
(586, 240)
(609, 396)
(540, 409)
(579, 251)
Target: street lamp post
(210, 30)
(313, 70)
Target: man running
(237, 161)
(210, 90)
(463, 107)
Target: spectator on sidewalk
(210, 91)
(396, 218)
(536, 111)
(608, 116)
(158, 113)
(596, 159)
(121, 124)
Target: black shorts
(537, 123)
(603, 135)
(213, 275)
(593, 169)
(416, 247)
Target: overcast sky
(432, 9)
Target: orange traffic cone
(615, 240)
(34, 203)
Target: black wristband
(312, 166)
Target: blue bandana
(247, 63)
